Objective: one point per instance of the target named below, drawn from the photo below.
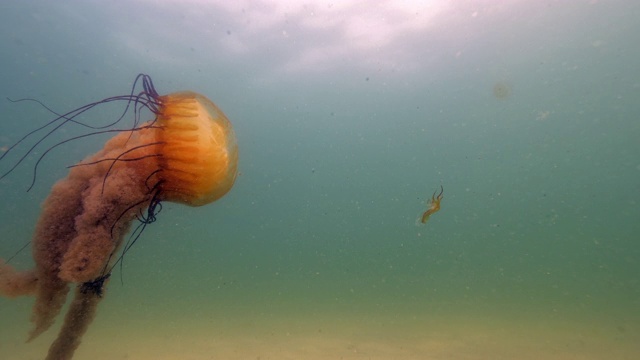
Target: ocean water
(349, 115)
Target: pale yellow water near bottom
(322, 335)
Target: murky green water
(348, 118)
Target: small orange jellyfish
(188, 154)
(434, 205)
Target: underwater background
(349, 115)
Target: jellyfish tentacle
(148, 98)
(135, 148)
(46, 152)
(154, 203)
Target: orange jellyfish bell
(199, 149)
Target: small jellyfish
(434, 205)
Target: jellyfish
(188, 154)
(501, 90)
(434, 205)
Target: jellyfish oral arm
(16, 283)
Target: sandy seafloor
(321, 335)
